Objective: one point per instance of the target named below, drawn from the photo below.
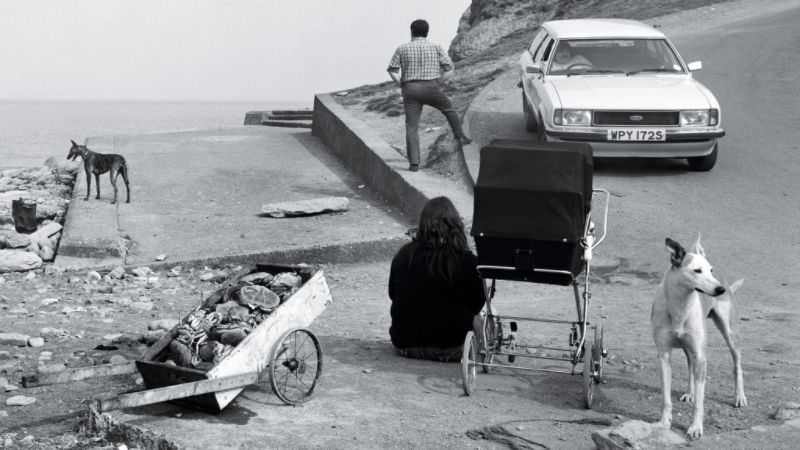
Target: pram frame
(492, 342)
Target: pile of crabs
(212, 331)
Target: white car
(620, 86)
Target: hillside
(490, 37)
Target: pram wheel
(598, 351)
(469, 358)
(589, 381)
(493, 335)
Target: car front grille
(640, 118)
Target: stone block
(18, 339)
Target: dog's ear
(73, 143)
(677, 252)
(697, 248)
(736, 285)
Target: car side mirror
(533, 69)
(695, 66)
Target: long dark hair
(442, 232)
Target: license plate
(637, 134)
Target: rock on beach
(20, 400)
(18, 261)
(17, 339)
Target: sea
(32, 131)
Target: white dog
(687, 295)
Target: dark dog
(100, 163)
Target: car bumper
(677, 145)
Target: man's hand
(396, 78)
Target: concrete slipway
(197, 196)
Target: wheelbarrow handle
(176, 391)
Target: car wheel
(704, 163)
(530, 119)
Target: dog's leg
(666, 388)
(699, 371)
(97, 184)
(721, 315)
(688, 397)
(88, 184)
(124, 171)
(112, 175)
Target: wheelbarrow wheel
(295, 366)
(468, 362)
(589, 381)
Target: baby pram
(533, 223)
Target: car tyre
(530, 120)
(704, 163)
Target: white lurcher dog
(687, 295)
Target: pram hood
(533, 190)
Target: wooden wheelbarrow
(280, 349)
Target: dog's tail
(736, 285)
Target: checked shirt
(420, 59)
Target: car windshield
(603, 56)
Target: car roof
(600, 28)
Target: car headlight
(699, 117)
(572, 117)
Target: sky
(205, 50)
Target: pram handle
(589, 231)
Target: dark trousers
(416, 94)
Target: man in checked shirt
(421, 64)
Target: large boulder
(633, 434)
(18, 261)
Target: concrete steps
(280, 118)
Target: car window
(537, 54)
(537, 41)
(630, 56)
(545, 51)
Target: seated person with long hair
(434, 286)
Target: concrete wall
(365, 153)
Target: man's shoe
(465, 140)
(413, 167)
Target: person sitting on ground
(565, 59)
(435, 288)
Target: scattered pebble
(49, 301)
(20, 400)
(93, 275)
(36, 342)
(162, 324)
(142, 306)
(17, 339)
(52, 368)
(112, 337)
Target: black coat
(427, 311)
